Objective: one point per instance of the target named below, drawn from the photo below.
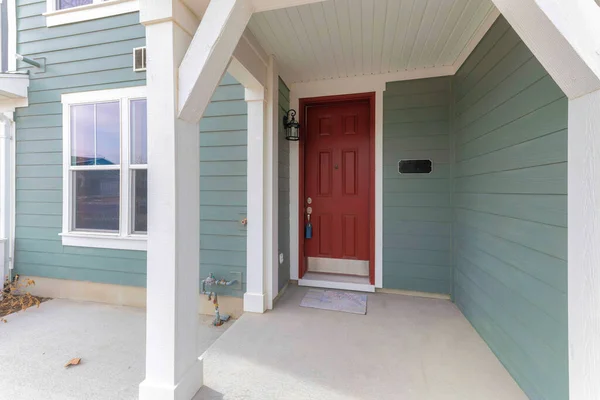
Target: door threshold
(335, 281)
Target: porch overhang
(13, 91)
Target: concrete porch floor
(404, 348)
(37, 343)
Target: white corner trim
(88, 12)
(12, 34)
(379, 188)
(481, 31)
(105, 241)
(365, 83)
(269, 5)
(328, 284)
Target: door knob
(309, 200)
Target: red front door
(337, 180)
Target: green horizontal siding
(80, 57)
(510, 198)
(417, 208)
(223, 165)
(284, 187)
(96, 55)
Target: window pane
(96, 200)
(108, 133)
(62, 4)
(82, 135)
(140, 200)
(138, 132)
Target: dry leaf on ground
(74, 361)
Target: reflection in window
(140, 200)
(96, 200)
(96, 134)
(64, 4)
(138, 129)
(138, 161)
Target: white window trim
(124, 239)
(99, 9)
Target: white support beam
(255, 298)
(268, 5)
(173, 367)
(272, 184)
(583, 250)
(249, 62)
(209, 54)
(564, 36)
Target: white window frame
(98, 9)
(125, 239)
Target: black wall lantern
(292, 127)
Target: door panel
(337, 179)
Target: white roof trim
(13, 91)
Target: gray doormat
(335, 300)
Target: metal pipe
(28, 61)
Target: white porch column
(584, 248)
(272, 184)
(173, 369)
(255, 298)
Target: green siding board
(284, 188)
(495, 33)
(93, 52)
(417, 211)
(481, 76)
(518, 56)
(510, 210)
(53, 95)
(545, 179)
(544, 120)
(96, 55)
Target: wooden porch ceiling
(345, 38)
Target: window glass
(63, 4)
(138, 132)
(96, 200)
(108, 134)
(95, 130)
(82, 135)
(140, 200)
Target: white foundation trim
(120, 295)
(99, 9)
(415, 294)
(328, 284)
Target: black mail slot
(414, 166)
